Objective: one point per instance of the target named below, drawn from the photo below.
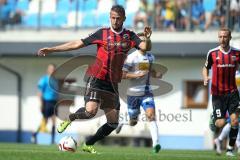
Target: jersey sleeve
(93, 38)
(238, 56)
(209, 61)
(135, 40)
(237, 52)
(153, 57)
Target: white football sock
(154, 132)
(225, 132)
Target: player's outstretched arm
(146, 44)
(72, 45)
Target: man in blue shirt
(197, 14)
(48, 96)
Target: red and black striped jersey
(224, 66)
(112, 49)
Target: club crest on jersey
(234, 58)
(126, 37)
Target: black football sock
(233, 135)
(53, 134)
(34, 136)
(37, 131)
(81, 113)
(102, 132)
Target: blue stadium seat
(73, 5)
(22, 5)
(84, 5)
(88, 19)
(103, 19)
(63, 6)
(121, 2)
(30, 20)
(129, 20)
(62, 10)
(47, 20)
(90, 5)
(11, 4)
(60, 19)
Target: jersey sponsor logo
(226, 65)
(124, 45)
(118, 44)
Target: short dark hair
(226, 30)
(52, 64)
(119, 9)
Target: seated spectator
(234, 13)
(209, 7)
(158, 11)
(5, 11)
(197, 15)
(182, 21)
(141, 15)
(220, 12)
(21, 6)
(168, 15)
(150, 12)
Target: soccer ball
(67, 144)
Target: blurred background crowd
(170, 15)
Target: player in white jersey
(138, 69)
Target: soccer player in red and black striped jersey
(113, 44)
(224, 61)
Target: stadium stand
(94, 13)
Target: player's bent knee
(92, 108)
(220, 123)
(91, 111)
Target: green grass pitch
(13, 151)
